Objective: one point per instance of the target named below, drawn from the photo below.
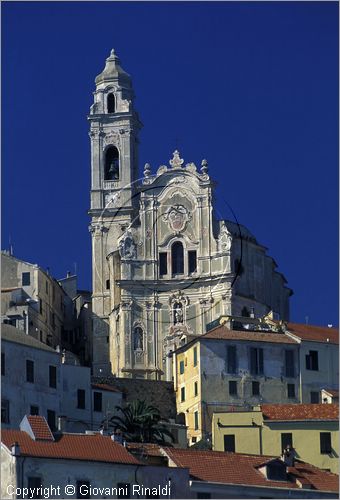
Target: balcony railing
(110, 184)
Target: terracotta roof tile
(300, 412)
(40, 428)
(223, 333)
(96, 447)
(314, 333)
(237, 468)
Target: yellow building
(231, 368)
(311, 429)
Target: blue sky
(252, 87)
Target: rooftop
(238, 468)
(223, 333)
(95, 447)
(300, 412)
(314, 333)
(12, 334)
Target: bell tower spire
(114, 128)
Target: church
(163, 265)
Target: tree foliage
(140, 423)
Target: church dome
(113, 72)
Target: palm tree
(141, 423)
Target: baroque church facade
(163, 265)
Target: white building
(37, 380)
(80, 466)
(163, 265)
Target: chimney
(68, 274)
(117, 437)
(288, 456)
(15, 449)
(252, 313)
(62, 420)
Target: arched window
(177, 258)
(112, 164)
(111, 103)
(138, 339)
(178, 313)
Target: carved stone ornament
(177, 217)
(127, 246)
(179, 297)
(112, 138)
(125, 105)
(224, 239)
(178, 180)
(162, 169)
(97, 228)
(191, 167)
(112, 200)
(176, 161)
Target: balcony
(110, 185)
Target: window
(196, 420)
(111, 103)
(291, 390)
(203, 494)
(277, 471)
(163, 263)
(107, 284)
(47, 287)
(289, 363)
(177, 258)
(231, 358)
(5, 411)
(325, 442)
(286, 440)
(111, 164)
(97, 401)
(83, 489)
(41, 336)
(123, 490)
(138, 338)
(314, 397)
(181, 367)
(26, 279)
(256, 361)
(33, 483)
(233, 388)
(81, 399)
(51, 419)
(229, 442)
(34, 410)
(53, 376)
(182, 394)
(29, 371)
(245, 312)
(312, 362)
(40, 306)
(255, 388)
(195, 389)
(3, 363)
(195, 356)
(192, 261)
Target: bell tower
(114, 128)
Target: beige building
(228, 369)
(32, 300)
(163, 265)
(311, 429)
(319, 359)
